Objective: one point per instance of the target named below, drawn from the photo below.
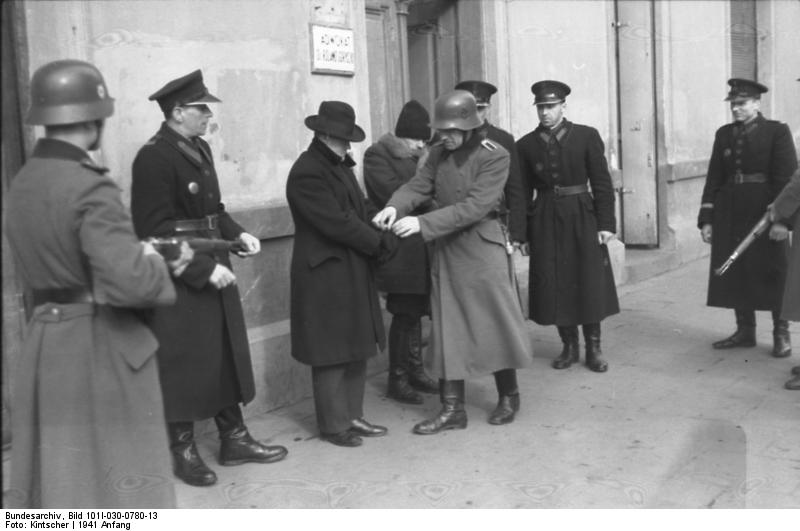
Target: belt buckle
(211, 222)
(557, 189)
(738, 177)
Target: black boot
(452, 416)
(591, 335)
(745, 335)
(782, 340)
(508, 393)
(186, 462)
(571, 352)
(416, 373)
(236, 444)
(399, 343)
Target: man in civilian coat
(87, 414)
(389, 163)
(336, 321)
(570, 223)
(751, 161)
(786, 211)
(514, 209)
(204, 354)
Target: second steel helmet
(456, 109)
(67, 92)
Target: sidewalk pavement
(673, 424)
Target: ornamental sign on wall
(332, 51)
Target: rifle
(754, 233)
(169, 248)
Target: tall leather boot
(416, 373)
(571, 352)
(508, 393)
(591, 334)
(745, 335)
(399, 347)
(781, 339)
(236, 444)
(186, 462)
(452, 416)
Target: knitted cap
(413, 122)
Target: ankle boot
(745, 335)
(571, 351)
(452, 416)
(236, 444)
(416, 373)
(399, 339)
(508, 401)
(782, 340)
(591, 334)
(186, 462)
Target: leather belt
(205, 223)
(62, 296)
(561, 191)
(743, 178)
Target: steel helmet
(456, 110)
(68, 92)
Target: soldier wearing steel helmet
(477, 324)
(88, 416)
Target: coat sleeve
(714, 180)
(418, 191)
(380, 176)
(600, 179)
(515, 197)
(481, 198)
(311, 197)
(152, 196)
(787, 203)
(526, 180)
(122, 275)
(783, 159)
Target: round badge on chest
(193, 187)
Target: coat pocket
(492, 233)
(129, 337)
(323, 255)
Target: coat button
(210, 195)
(206, 172)
(55, 311)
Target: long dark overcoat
(388, 164)
(204, 354)
(515, 205)
(477, 326)
(571, 281)
(787, 209)
(335, 313)
(87, 415)
(756, 279)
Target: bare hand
(251, 244)
(406, 227)
(222, 277)
(778, 232)
(385, 218)
(705, 232)
(178, 266)
(604, 236)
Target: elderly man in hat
(88, 418)
(513, 212)
(571, 281)
(477, 323)
(204, 354)
(336, 321)
(751, 161)
(389, 163)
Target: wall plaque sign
(332, 50)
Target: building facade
(650, 75)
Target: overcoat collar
(749, 127)
(461, 154)
(341, 169)
(320, 147)
(50, 148)
(193, 151)
(396, 147)
(558, 134)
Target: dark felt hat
(185, 90)
(480, 89)
(549, 91)
(336, 118)
(745, 88)
(413, 122)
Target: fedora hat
(336, 118)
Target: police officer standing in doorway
(571, 281)
(513, 211)
(88, 418)
(204, 357)
(751, 161)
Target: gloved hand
(388, 247)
